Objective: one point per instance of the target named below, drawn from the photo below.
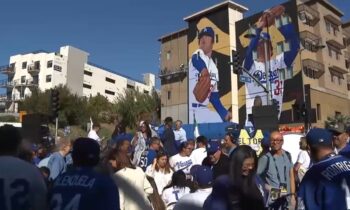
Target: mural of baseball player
(280, 62)
(203, 82)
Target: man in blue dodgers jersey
(82, 188)
(201, 62)
(326, 184)
(282, 61)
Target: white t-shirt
(193, 201)
(198, 156)
(161, 179)
(22, 184)
(304, 159)
(180, 135)
(171, 195)
(93, 135)
(178, 162)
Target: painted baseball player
(203, 82)
(281, 61)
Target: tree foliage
(75, 110)
(338, 120)
(133, 106)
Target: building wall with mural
(269, 42)
(217, 106)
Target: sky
(119, 34)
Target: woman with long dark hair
(242, 189)
(120, 133)
(247, 188)
(141, 141)
(175, 190)
(160, 171)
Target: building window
(23, 79)
(110, 80)
(86, 86)
(48, 78)
(255, 55)
(337, 114)
(49, 64)
(285, 19)
(109, 92)
(57, 68)
(349, 86)
(130, 87)
(216, 38)
(318, 110)
(328, 27)
(278, 22)
(88, 73)
(337, 55)
(347, 64)
(169, 94)
(146, 91)
(309, 72)
(24, 65)
(168, 55)
(280, 47)
(339, 80)
(329, 51)
(333, 77)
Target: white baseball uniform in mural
(201, 111)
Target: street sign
(245, 79)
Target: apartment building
(324, 56)
(70, 67)
(318, 77)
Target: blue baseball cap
(86, 152)
(234, 135)
(213, 146)
(319, 136)
(208, 31)
(203, 175)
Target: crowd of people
(171, 172)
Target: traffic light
(276, 104)
(296, 111)
(235, 63)
(303, 110)
(55, 105)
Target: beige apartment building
(323, 57)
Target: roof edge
(239, 7)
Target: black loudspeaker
(265, 117)
(33, 127)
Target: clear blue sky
(119, 34)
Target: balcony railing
(165, 73)
(9, 98)
(8, 69)
(33, 69)
(18, 83)
(308, 15)
(314, 65)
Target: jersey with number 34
(326, 185)
(84, 189)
